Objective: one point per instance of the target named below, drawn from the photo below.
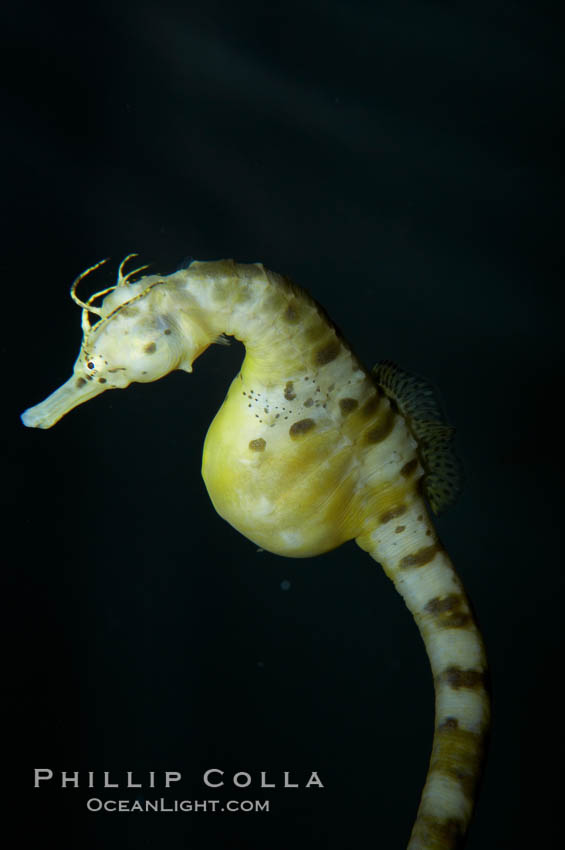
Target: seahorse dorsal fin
(417, 400)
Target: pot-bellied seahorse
(309, 450)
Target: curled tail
(425, 577)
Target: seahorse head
(137, 336)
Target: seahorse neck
(282, 328)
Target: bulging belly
(290, 497)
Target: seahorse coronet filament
(309, 450)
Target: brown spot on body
(457, 678)
(291, 313)
(457, 620)
(315, 331)
(451, 612)
(448, 603)
(409, 468)
(437, 834)
(289, 393)
(309, 402)
(169, 331)
(301, 427)
(448, 723)
(393, 513)
(327, 352)
(348, 405)
(150, 348)
(458, 753)
(80, 382)
(382, 429)
(257, 445)
(371, 405)
(399, 528)
(420, 558)
(101, 380)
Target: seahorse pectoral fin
(73, 392)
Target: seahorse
(309, 450)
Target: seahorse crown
(110, 305)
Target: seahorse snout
(73, 392)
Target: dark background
(401, 161)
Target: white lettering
(132, 784)
(69, 778)
(48, 774)
(288, 784)
(314, 780)
(171, 776)
(244, 783)
(264, 783)
(107, 783)
(206, 778)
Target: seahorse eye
(90, 364)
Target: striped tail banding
(425, 577)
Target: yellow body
(307, 451)
(303, 489)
